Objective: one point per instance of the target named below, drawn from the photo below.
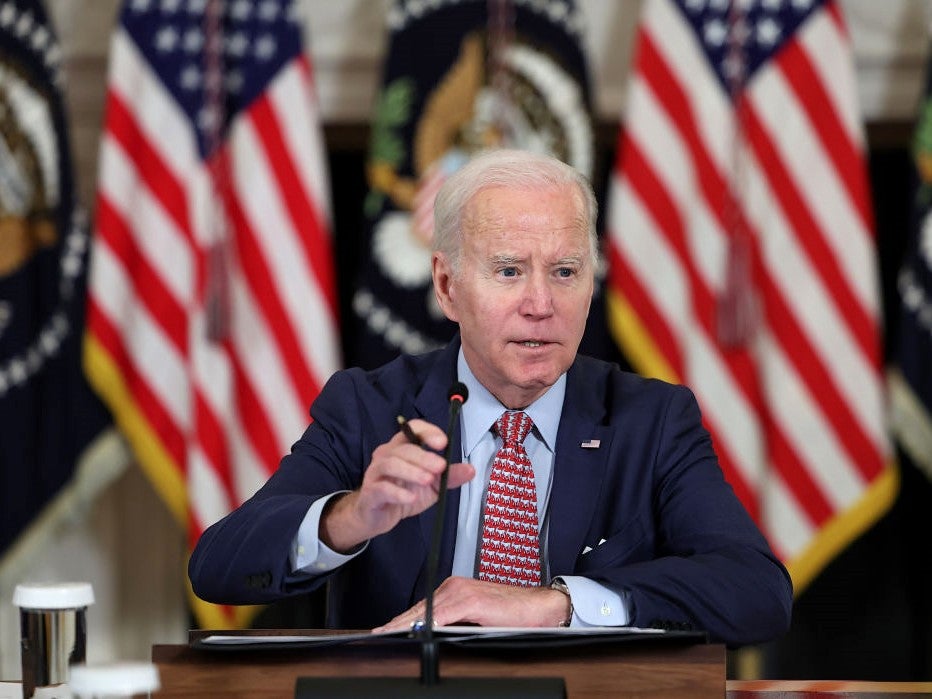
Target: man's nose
(538, 297)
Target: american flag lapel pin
(591, 444)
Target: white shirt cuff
(309, 554)
(595, 604)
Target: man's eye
(509, 272)
(566, 272)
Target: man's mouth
(532, 343)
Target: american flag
(742, 258)
(212, 309)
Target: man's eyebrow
(504, 259)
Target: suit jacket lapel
(578, 471)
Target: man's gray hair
(518, 169)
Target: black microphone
(457, 395)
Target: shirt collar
(483, 409)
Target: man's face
(521, 294)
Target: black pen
(408, 432)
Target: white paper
(543, 631)
(459, 631)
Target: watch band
(558, 584)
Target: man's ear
(442, 274)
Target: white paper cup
(53, 632)
(114, 680)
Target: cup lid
(62, 595)
(115, 678)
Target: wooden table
(595, 671)
(640, 670)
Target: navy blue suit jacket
(675, 536)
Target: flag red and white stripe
(209, 419)
(797, 411)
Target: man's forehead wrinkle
(486, 219)
(497, 223)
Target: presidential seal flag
(460, 76)
(743, 259)
(911, 376)
(50, 418)
(212, 303)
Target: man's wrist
(337, 528)
(560, 586)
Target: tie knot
(514, 426)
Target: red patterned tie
(510, 552)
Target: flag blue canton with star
(258, 38)
(748, 32)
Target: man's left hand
(470, 601)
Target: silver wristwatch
(558, 584)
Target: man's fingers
(459, 474)
(390, 492)
(430, 435)
(457, 599)
(405, 464)
(417, 472)
(404, 621)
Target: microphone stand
(430, 652)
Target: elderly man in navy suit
(625, 516)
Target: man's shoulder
(592, 369)
(403, 375)
(618, 388)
